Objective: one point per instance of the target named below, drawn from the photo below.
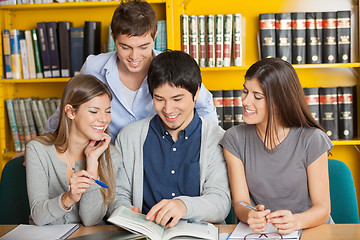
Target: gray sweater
(47, 182)
(213, 204)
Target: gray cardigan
(47, 182)
(213, 204)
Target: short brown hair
(134, 18)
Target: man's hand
(167, 212)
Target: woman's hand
(257, 219)
(283, 220)
(93, 151)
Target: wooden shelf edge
(68, 5)
(35, 80)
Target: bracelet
(62, 202)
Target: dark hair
(285, 97)
(177, 69)
(134, 18)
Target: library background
(223, 36)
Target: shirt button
(173, 172)
(173, 194)
(166, 133)
(163, 136)
(174, 149)
(186, 138)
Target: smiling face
(254, 103)
(175, 106)
(134, 52)
(91, 118)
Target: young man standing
(174, 165)
(134, 28)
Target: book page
(136, 222)
(242, 229)
(47, 232)
(194, 229)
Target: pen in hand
(97, 181)
(247, 205)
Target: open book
(184, 229)
(242, 229)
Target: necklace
(68, 158)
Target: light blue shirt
(103, 66)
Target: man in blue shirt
(134, 28)
(173, 165)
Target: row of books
(306, 37)
(334, 108)
(160, 42)
(53, 49)
(27, 118)
(18, 2)
(213, 40)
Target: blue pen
(100, 183)
(247, 205)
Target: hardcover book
(7, 53)
(329, 111)
(193, 37)
(24, 120)
(24, 57)
(228, 108)
(228, 29)
(347, 113)
(267, 35)
(218, 103)
(238, 108)
(30, 54)
(51, 28)
(64, 47)
(76, 49)
(344, 36)
(15, 54)
(185, 33)
(30, 117)
(37, 55)
(210, 40)
(44, 49)
(19, 123)
(237, 39)
(298, 23)
(219, 40)
(13, 125)
(185, 229)
(313, 101)
(313, 39)
(38, 122)
(92, 37)
(202, 41)
(329, 37)
(283, 36)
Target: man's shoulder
(135, 127)
(211, 129)
(95, 63)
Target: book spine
(228, 106)
(313, 101)
(319, 34)
(185, 33)
(343, 36)
(298, 23)
(15, 54)
(210, 40)
(42, 111)
(7, 53)
(30, 53)
(283, 36)
(24, 120)
(37, 118)
(228, 28)
(111, 44)
(329, 111)
(202, 41)
(267, 35)
(24, 59)
(76, 49)
(19, 123)
(92, 31)
(13, 126)
(218, 103)
(219, 40)
(346, 112)
(51, 28)
(193, 37)
(48, 111)
(237, 40)
(37, 56)
(238, 108)
(44, 49)
(312, 40)
(163, 33)
(52, 106)
(64, 47)
(30, 117)
(329, 37)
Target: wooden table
(323, 232)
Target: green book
(38, 63)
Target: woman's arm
(318, 180)
(240, 191)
